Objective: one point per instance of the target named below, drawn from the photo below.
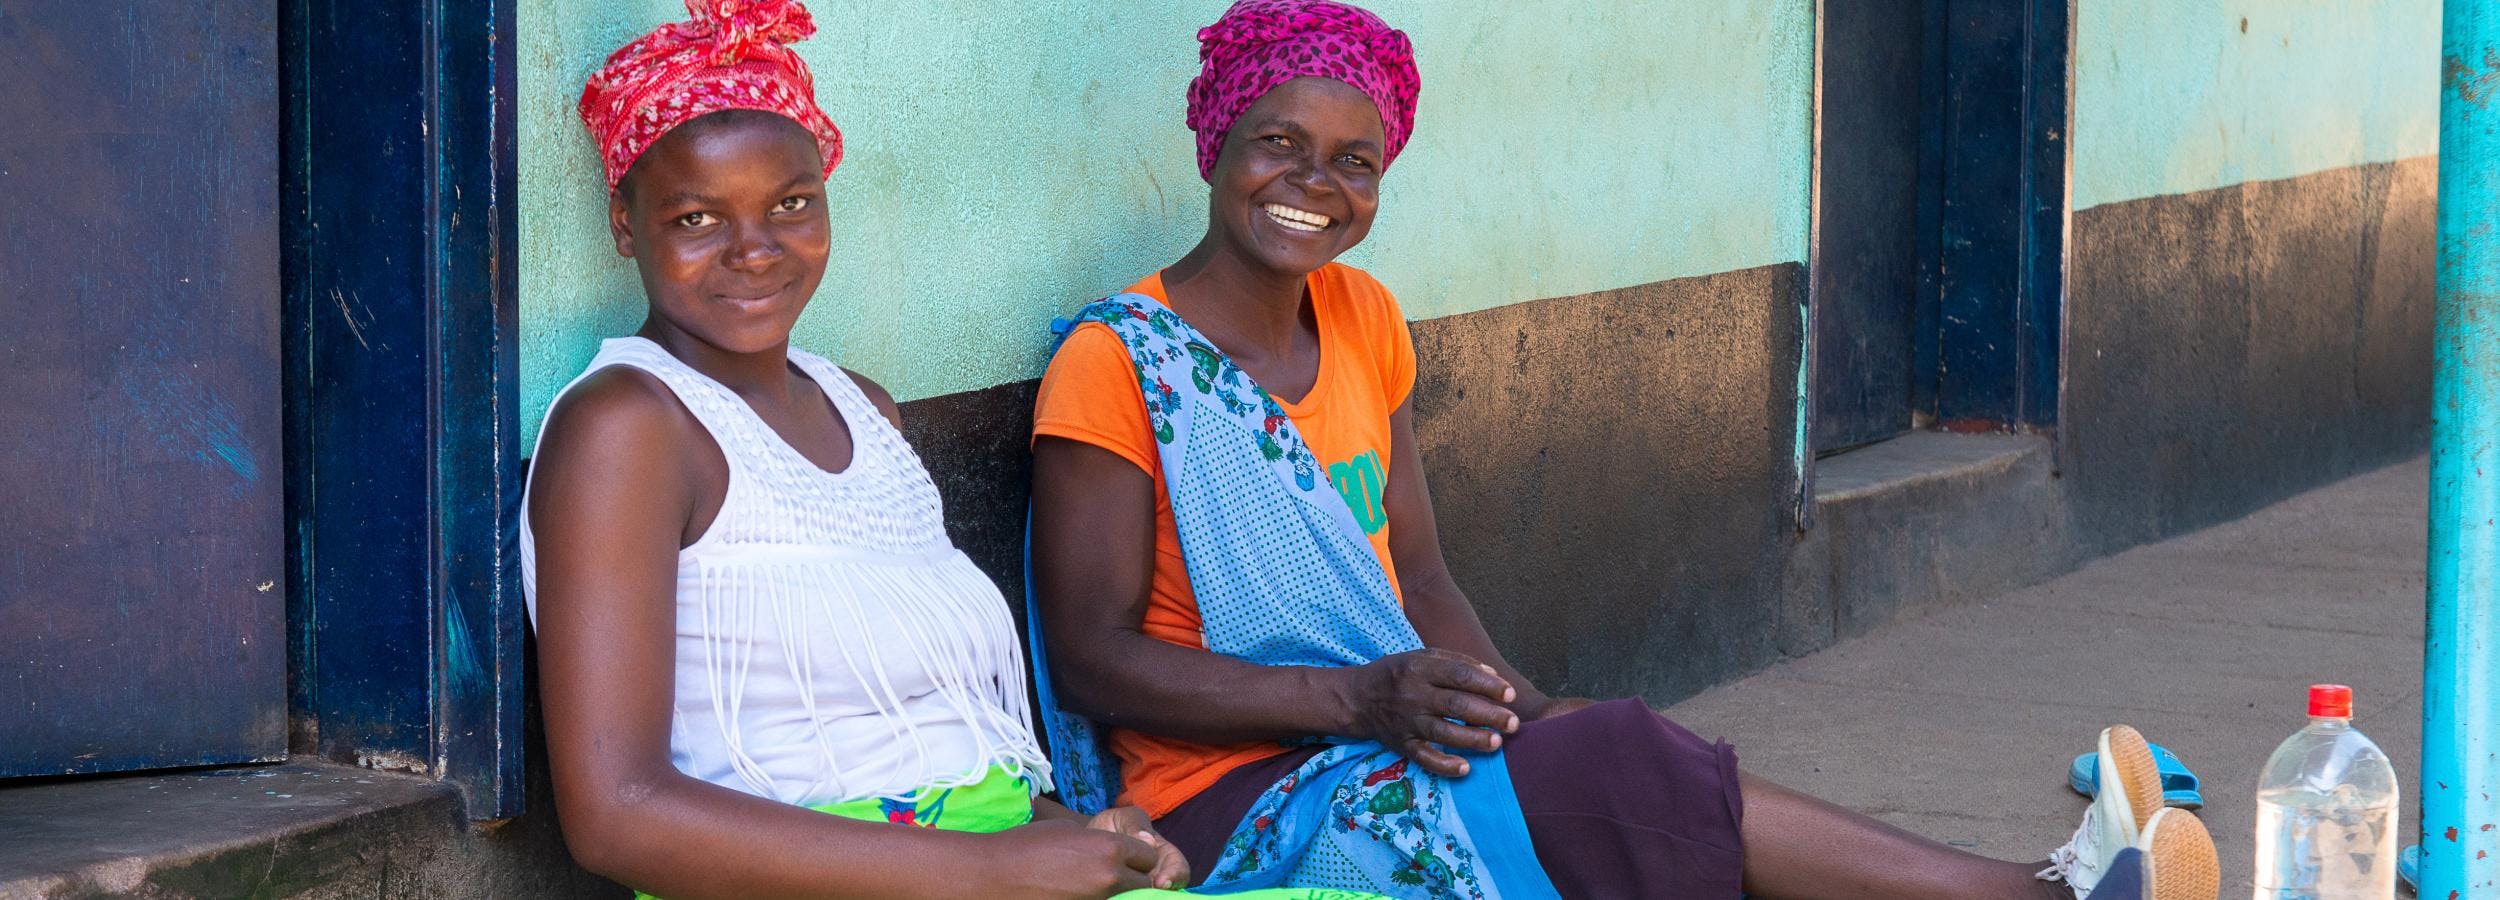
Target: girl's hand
(1059, 859)
(1171, 871)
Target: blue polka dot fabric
(1285, 577)
(1280, 580)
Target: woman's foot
(2178, 855)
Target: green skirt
(1002, 800)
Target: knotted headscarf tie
(1259, 44)
(731, 54)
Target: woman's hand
(1408, 703)
(1061, 859)
(1171, 871)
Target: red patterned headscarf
(1260, 44)
(733, 54)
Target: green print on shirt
(1360, 481)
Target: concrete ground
(1959, 724)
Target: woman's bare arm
(1093, 560)
(616, 483)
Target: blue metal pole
(2460, 787)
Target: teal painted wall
(1009, 161)
(2173, 96)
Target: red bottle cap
(2330, 700)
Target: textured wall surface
(2228, 348)
(2175, 97)
(1612, 477)
(1008, 161)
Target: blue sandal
(2178, 785)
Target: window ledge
(245, 831)
(1919, 458)
(1917, 522)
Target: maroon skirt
(1619, 801)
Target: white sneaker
(2130, 794)
(2179, 861)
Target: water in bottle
(2326, 810)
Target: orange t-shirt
(1366, 369)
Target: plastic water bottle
(2326, 810)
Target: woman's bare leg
(1801, 848)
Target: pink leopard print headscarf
(733, 54)
(1260, 44)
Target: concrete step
(304, 829)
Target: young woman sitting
(766, 671)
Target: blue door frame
(1992, 308)
(401, 383)
(140, 414)
(1987, 318)
(1874, 108)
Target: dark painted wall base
(1614, 479)
(977, 447)
(2231, 347)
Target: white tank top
(832, 644)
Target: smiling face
(725, 219)
(1298, 180)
